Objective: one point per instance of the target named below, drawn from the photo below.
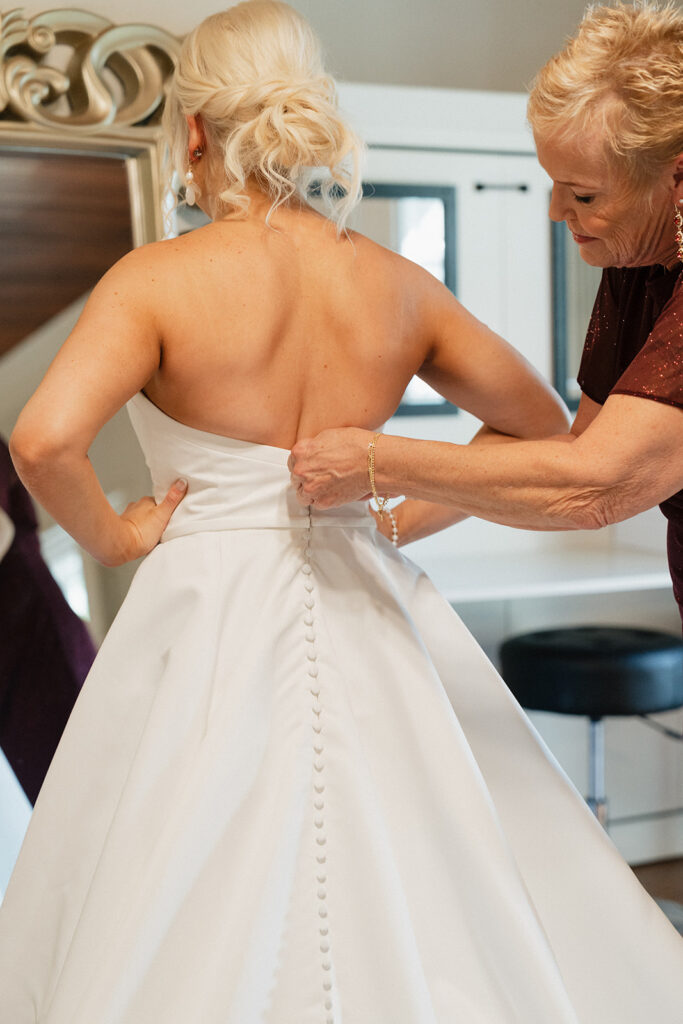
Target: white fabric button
(323, 929)
(308, 619)
(306, 568)
(327, 985)
(319, 804)
(322, 893)
(318, 822)
(327, 966)
(320, 788)
(313, 671)
(328, 1004)
(309, 602)
(322, 912)
(308, 585)
(320, 840)
(315, 691)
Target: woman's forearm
(418, 519)
(535, 485)
(627, 458)
(65, 484)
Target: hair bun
(255, 74)
(299, 126)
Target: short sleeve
(657, 370)
(596, 373)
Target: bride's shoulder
(140, 265)
(388, 260)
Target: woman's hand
(332, 468)
(145, 522)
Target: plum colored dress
(45, 649)
(634, 346)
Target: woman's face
(611, 227)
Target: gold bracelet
(381, 502)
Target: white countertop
(567, 569)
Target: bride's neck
(260, 203)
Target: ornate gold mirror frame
(72, 81)
(74, 85)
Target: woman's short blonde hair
(255, 74)
(620, 77)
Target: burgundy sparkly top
(634, 346)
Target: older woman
(607, 115)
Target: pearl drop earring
(192, 191)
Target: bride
(293, 789)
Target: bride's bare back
(271, 333)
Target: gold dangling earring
(678, 220)
(192, 190)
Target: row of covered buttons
(318, 778)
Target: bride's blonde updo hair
(255, 75)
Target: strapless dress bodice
(232, 484)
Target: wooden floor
(663, 879)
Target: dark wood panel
(663, 879)
(64, 219)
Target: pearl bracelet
(394, 528)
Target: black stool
(595, 671)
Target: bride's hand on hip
(145, 521)
(332, 468)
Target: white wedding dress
(294, 791)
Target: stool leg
(596, 799)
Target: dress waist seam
(303, 524)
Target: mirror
(80, 184)
(575, 285)
(418, 222)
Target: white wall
(469, 44)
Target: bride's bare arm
(473, 367)
(111, 353)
